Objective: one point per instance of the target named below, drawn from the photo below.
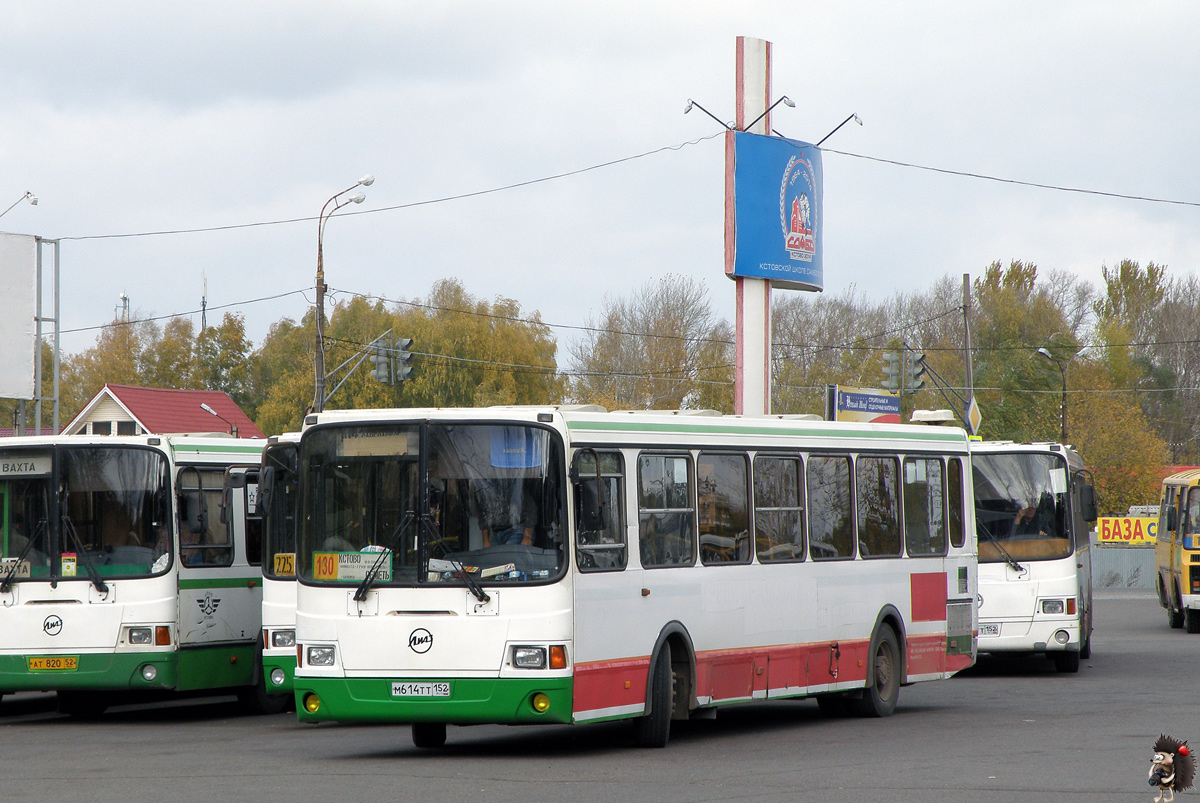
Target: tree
(655, 349)
(222, 361)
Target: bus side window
(666, 517)
(778, 509)
(204, 540)
(724, 508)
(830, 507)
(1168, 514)
(924, 506)
(954, 501)
(600, 512)
(878, 506)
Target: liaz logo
(420, 640)
(208, 605)
(52, 626)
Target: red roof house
(130, 410)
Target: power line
(410, 205)
(985, 177)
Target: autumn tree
(662, 347)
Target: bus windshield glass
(437, 503)
(280, 464)
(111, 518)
(1021, 507)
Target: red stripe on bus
(607, 684)
(928, 590)
(926, 654)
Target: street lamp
(1062, 369)
(853, 117)
(211, 411)
(327, 211)
(28, 196)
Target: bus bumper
(1027, 636)
(471, 701)
(284, 681)
(111, 671)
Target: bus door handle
(835, 655)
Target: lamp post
(1061, 365)
(211, 411)
(28, 196)
(332, 205)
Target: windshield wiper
(8, 578)
(360, 593)
(93, 575)
(471, 582)
(1004, 553)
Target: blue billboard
(776, 208)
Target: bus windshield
(280, 463)
(1021, 508)
(432, 503)
(111, 517)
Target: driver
(507, 515)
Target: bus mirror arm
(266, 489)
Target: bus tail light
(1070, 606)
(558, 656)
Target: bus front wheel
(879, 699)
(82, 705)
(653, 729)
(429, 734)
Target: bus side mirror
(195, 511)
(266, 488)
(592, 513)
(1088, 498)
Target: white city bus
(556, 565)
(279, 506)
(127, 567)
(1033, 503)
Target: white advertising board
(18, 309)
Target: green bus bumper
(180, 670)
(471, 701)
(93, 671)
(288, 665)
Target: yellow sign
(284, 564)
(1127, 531)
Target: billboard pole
(752, 346)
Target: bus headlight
(278, 676)
(540, 703)
(149, 673)
(1053, 606)
(320, 656)
(311, 703)
(141, 635)
(1062, 636)
(529, 657)
(283, 638)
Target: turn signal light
(1070, 606)
(162, 636)
(558, 656)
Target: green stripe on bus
(929, 434)
(219, 582)
(192, 449)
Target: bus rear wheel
(429, 735)
(879, 699)
(1174, 617)
(654, 729)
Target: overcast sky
(129, 117)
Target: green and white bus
(130, 566)
(568, 565)
(279, 500)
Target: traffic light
(916, 370)
(379, 357)
(404, 367)
(891, 370)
